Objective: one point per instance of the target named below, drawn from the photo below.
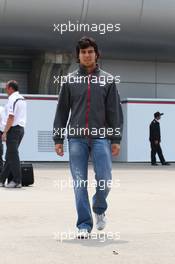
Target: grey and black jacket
(89, 104)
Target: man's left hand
(115, 149)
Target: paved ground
(141, 210)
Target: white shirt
(2, 118)
(17, 109)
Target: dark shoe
(166, 164)
(154, 164)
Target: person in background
(155, 139)
(2, 120)
(13, 133)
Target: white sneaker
(100, 221)
(83, 234)
(13, 184)
(18, 185)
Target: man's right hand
(156, 142)
(4, 136)
(59, 149)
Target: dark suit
(155, 136)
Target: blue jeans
(100, 152)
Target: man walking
(95, 128)
(13, 133)
(2, 117)
(155, 139)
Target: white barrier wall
(138, 114)
(37, 144)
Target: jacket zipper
(88, 102)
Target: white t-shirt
(2, 118)
(17, 108)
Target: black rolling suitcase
(27, 174)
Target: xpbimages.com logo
(102, 185)
(100, 237)
(101, 28)
(101, 132)
(102, 80)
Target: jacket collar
(83, 71)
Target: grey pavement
(37, 224)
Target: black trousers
(12, 163)
(1, 152)
(156, 149)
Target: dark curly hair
(84, 43)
